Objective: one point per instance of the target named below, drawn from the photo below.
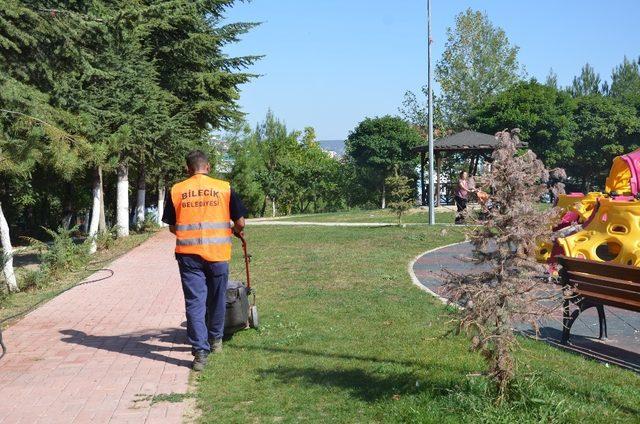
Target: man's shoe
(216, 345)
(200, 360)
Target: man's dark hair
(197, 159)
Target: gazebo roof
(464, 141)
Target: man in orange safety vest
(199, 211)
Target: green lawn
(345, 337)
(415, 216)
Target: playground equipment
(624, 177)
(601, 226)
(576, 208)
(611, 235)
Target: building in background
(335, 148)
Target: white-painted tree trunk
(102, 224)
(66, 221)
(273, 208)
(122, 199)
(141, 198)
(384, 195)
(85, 223)
(161, 194)
(7, 254)
(95, 211)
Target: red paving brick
(91, 354)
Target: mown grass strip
(346, 337)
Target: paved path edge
(416, 282)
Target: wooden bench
(594, 284)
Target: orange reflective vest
(203, 221)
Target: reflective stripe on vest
(203, 225)
(203, 241)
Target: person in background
(199, 211)
(462, 196)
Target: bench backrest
(605, 282)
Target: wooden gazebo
(474, 144)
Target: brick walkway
(622, 347)
(99, 352)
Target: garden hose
(35, 306)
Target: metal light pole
(432, 212)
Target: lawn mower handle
(247, 259)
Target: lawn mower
(240, 314)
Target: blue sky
(330, 63)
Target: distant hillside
(333, 145)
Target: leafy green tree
(552, 79)
(274, 144)
(415, 110)
(131, 116)
(587, 83)
(143, 82)
(625, 83)
(313, 177)
(478, 61)
(163, 83)
(400, 194)
(605, 129)
(243, 154)
(272, 164)
(541, 112)
(378, 145)
(30, 127)
(187, 40)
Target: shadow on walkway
(140, 344)
(590, 347)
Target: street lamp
(432, 214)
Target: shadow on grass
(144, 344)
(373, 386)
(361, 384)
(347, 356)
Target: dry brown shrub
(510, 292)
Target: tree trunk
(7, 254)
(102, 224)
(438, 174)
(68, 213)
(141, 198)
(122, 200)
(384, 195)
(161, 195)
(95, 210)
(66, 220)
(273, 208)
(264, 207)
(85, 223)
(423, 190)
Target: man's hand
(238, 227)
(172, 229)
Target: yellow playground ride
(601, 226)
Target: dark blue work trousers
(204, 285)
